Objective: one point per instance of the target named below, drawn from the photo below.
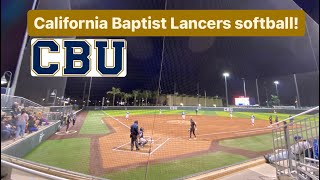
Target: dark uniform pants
(192, 131)
(134, 142)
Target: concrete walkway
(262, 172)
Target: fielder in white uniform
(183, 115)
(231, 114)
(127, 115)
(252, 120)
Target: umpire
(134, 131)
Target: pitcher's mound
(186, 122)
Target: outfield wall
(193, 108)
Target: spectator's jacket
(300, 147)
(134, 130)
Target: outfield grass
(93, 125)
(180, 168)
(259, 116)
(253, 143)
(71, 154)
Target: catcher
(142, 140)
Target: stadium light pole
(4, 80)
(89, 91)
(226, 86)
(276, 84)
(244, 87)
(297, 91)
(257, 91)
(23, 46)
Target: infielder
(231, 114)
(270, 120)
(183, 115)
(276, 119)
(197, 111)
(127, 115)
(192, 129)
(252, 120)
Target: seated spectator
(299, 148)
(5, 132)
(32, 125)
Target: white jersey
(252, 119)
(127, 115)
(183, 116)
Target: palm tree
(114, 92)
(135, 94)
(146, 94)
(126, 96)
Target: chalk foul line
(117, 120)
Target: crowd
(20, 121)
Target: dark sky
(191, 60)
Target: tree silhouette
(114, 92)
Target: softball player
(270, 120)
(231, 114)
(142, 140)
(127, 115)
(252, 119)
(193, 126)
(183, 115)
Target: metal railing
(296, 147)
(7, 101)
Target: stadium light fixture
(226, 86)
(226, 74)
(276, 82)
(5, 81)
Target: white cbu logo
(78, 57)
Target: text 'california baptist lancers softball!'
(169, 23)
(149, 23)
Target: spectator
(21, 122)
(32, 125)
(5, 132)
(297, 149)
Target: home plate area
(152, 146)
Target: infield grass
(179, 168)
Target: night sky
(191, 60)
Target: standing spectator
(21, 123)
(134, 131)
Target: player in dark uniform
(134, 131)
(197, 111)
(276, 119)
(68, 122)
(73, 119)
(270, 120)
(192, 129)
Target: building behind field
(178, 100)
